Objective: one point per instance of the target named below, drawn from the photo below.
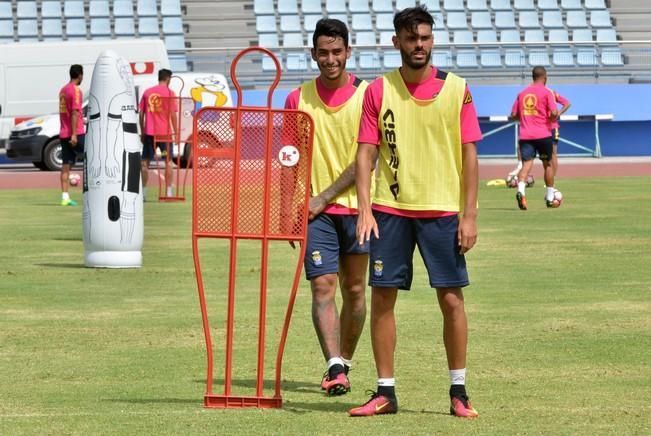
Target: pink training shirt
(156, 106)
(533, 107)
(332, 97)
(369, 132)
(559, 100)
(70, 100)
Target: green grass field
(559, 310)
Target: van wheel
(40, 165)
(52, 156)
(186, 157)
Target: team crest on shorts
(378, 267)
(316, 258)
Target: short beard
(406, 59)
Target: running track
(27, 177)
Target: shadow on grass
(61, 265)
(155, 400)
(69, 239)
(291, 386)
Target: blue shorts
(556, 135)
(391, 259)
(148, 148)
(543, 147)
(69, 154)
(328, 238)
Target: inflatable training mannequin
(113, 203)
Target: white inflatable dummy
(113, 209)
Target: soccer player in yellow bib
(419, 124)
(334, 101)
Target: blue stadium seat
(463, 37)
(98, 8)
(523, 5)
(309, 22)
(576, 19)
(123, 8)
(548, 5)
(501, 5)
(290, 23)
(359, 6)
(51, 28)
(25, 9)
(269, 40)
(100, 27)
(265, 23)
(538, 57)
(552, 20)
(341, 17)
(76, 28)
(432, 5)
(481, 20)
(442, 58)
(335, 7)
(612, 57)
(477, 5)
(172, 26)
(124, 27)
(368, 58)
(563, 57)
(586, 57)
(6, 31)
(514, 58)
(73, 9)
(439, 21)
(263, 7)
(600, 19)
(148, 26)
(296, 60)
(170, 8)
(582, 35)
(534, 35)
(175, 42)
(404, 4)
(529, 20)
(486, 36)
(384, 21)
(311, 6)
(606, 36)
(595, 4)
(386, 38)
(147, 8)
(508, 36)
(441, 37)
(571, 4)
(392, 59)
(504, 20)
(178, 63)
(467, 59)
(457, 20)
(558, 35)
(382, 6)
(287, 7)
(453, 5)
(6, 12)
(27, 28)
(361, 22)
(490, 58)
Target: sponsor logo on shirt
(391, 139)
(530, 101)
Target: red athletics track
(28, 177)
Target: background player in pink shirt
(565, 105)
(535, 108)
(157, 118)
(72, 130)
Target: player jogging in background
(425, 196)
(334, 101)
(535, 108)
(72, 132)
(556, 135)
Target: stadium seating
(501, 5)
(523, 5)
(124, 27)
(73, 9)
(76, 28)
(26, 9)
(147, 8)
(481, 20)
(548, 5)
(336, 6)
(100, 28)
(453, 5)
(27, 29)
(170, 8)
(309, 22)
(290, 23)
(123, 8)
(98, 8)
(359, 6)
(265, 23)
(287, 7)
(368, 59)
(477, 5)
(148, 26)
(310, 6)
(361, 22)
(172, 25)
(6, 31)
(552, 20)
(51, 28)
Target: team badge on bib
(378, 267)
(316, 258)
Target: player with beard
(334, 101)
(419, 124)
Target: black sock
(346, 369)
(387, 391)
(458, 391)
(335, 370)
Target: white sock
(386, 382)
(458, 376)
(65, 196)
(519, 165)
(169, 191)
(348, 363)
(521, 186)
(335, 361)
(550, 193)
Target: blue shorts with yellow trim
(391, 257)
(530, 147)
(330, 236)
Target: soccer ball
(74, 179)
(530, 181)
(558, 198)
(511, 181)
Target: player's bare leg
(554, 159)
(522, 183)
(352, 281)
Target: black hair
(164, 74)
(538, 72)
(409, 19)
(330, 27)
(76, 71)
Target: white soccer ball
(74, 179)
(511, 181)
(558, 198)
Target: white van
(37, 139)
(32, 73)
